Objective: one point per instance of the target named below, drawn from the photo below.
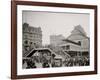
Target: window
(79, 42)
(31, 42)
(67, 47)
(26, 42)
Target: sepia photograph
(55, 39)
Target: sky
(54, 23)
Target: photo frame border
(14, 38)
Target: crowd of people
(28, 64)
(76, 61)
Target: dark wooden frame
(14, 38)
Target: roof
(39, 50)
(78, 33)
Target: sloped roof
(78, 30)
(39, 50)
(77, 33)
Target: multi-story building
(32, 38)
(56, 40)
(77, 44)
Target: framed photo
(53, 39)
